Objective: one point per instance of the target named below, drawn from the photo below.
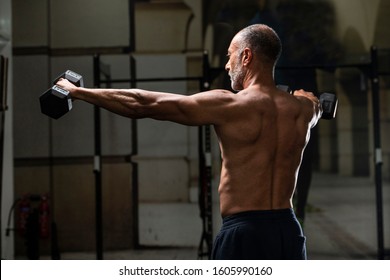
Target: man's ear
(247, 56)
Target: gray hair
(263, 41)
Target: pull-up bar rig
(3, 109)
(204, 154)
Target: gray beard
(237, 79)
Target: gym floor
(340, 223)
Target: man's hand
(66, 85)
(306, 94)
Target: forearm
(197, 109)
(131, 103)
(312, 105)
(317, 109)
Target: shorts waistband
(276, 214)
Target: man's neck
(259, 73)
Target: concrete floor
(340, 224)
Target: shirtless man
(262, 133)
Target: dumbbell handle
(72, 77)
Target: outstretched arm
(198, 109)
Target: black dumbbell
(328, 102)
(56, 102)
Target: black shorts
(260, 235)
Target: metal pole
(98, 166)
(208, 168)
(205, 173)
(377, 150)
(134, 130)
(3, 108)
(134, 164)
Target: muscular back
(261, 150)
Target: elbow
(137, 106)
(319, 111)
(138, 111)
(135, 113)
(316, 114)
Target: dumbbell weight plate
(55, 102)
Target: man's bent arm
(311, 104)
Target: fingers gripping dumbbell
(56, 101)
(328, 102)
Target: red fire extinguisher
(24, 213)
(44, 217)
